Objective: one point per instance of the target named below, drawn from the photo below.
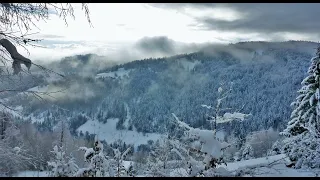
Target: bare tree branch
(16, 21)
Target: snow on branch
(180, 123)
(209, 144)
(18, 59)
(125, 153)
(178, 153)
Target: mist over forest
(167, 90)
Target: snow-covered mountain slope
(263, 86)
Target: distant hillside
(265, 79)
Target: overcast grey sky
(173, 28)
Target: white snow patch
(228, 117)
(127, 164)
(88, 152)
(280, 170)
(32, 174)
(220, 135)
(271, 166)
(120, 73)
(210, 145)
(110, 134)
(17, 150)
(253, 162)
(179, 172)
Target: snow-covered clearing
(120, 73)
(110, 134)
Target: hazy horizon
(139, 30)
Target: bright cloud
(119, 25)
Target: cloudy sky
(135, 30)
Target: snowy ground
(272, 166)
(280, 170)
(32, 174)
(254, 162)
(109, 133)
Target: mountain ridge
(265, 77)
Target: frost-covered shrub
(98, 164)
(62, 166)
(277, 148)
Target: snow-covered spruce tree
(98, 165)
(303, 150)
(305, 116)
(303, 130)
(62, 166)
